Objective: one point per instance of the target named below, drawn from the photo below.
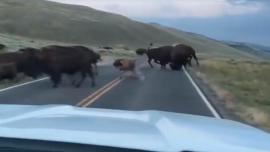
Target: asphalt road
(164, 90)
(40, 93)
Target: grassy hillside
(13, 43)
(206, 46)
(83, 25)
(75, 24)
(258, 50)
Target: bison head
(117, 63)
(141, 51)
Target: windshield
(188, 57)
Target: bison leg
(96, 69)
(55, 78)
(72, 79)
(92, 76)
(189, 61)
(157, 61)
(149, 62)
(83, 74)
(195, 57)
(163, 64)
(73, 82)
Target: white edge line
(26, 83)
(211, 108)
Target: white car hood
(145, 130)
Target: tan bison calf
(128, 65)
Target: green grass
(14, 43)
(246, 86)
(123, 53)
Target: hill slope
(204, 45)
(258, 50)
(75, 24)
(40, 19)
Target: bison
(181, 55)
(15, 62)
(8, 71)
(57, 60)
(126, 65)
(189, 53)
(95, 59)
(160, 55)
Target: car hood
(144, 130)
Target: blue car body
(144, 130)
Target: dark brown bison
(189, 53)
(96, 56)
(57, 60)
(181, 55)
(8, 71)
(13, 57)
(13, 63)
(160, 55)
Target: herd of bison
(55, 60)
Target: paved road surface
(161, 90)
(41, 92)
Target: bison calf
(128, 65)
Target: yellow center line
(100, 92)
(97, 94)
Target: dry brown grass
(244, 86)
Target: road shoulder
(213, 98)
